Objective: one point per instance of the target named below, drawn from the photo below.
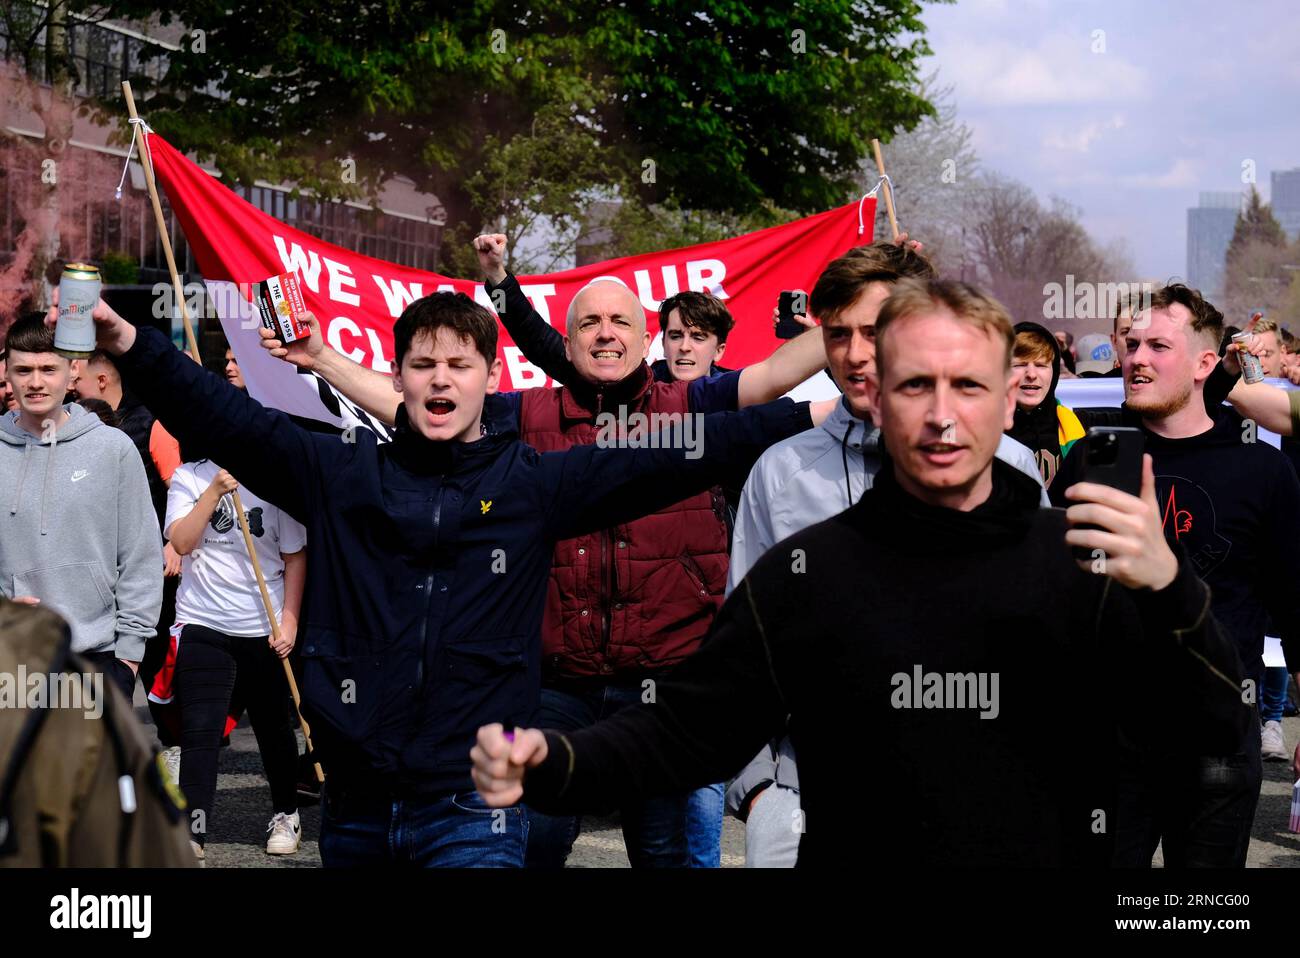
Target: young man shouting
(427, 565)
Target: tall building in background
(1284, 198)
(1209, 231)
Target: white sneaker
(172, 758)
(286, 833)
(1272, 745)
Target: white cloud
(1060, 69)
(1184, 174)
(1198, 91)
(1079, 139)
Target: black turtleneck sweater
(823, 626)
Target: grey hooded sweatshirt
(77, 531)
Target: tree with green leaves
(537, 189)
(737, 107)
(1259, 265)
(1255, 224)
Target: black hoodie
(1037, 428)
(1233, 504)
(885, 588)
(137, 422)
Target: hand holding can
(74, 333)
(1252, 370)
(1244, 344)
(112, 333)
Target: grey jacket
(78, 531)
(798, 482)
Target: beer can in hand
(74, 334)
(1252, 370)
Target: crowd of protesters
(499, 621)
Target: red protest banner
(357, 298)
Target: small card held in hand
(279, 302)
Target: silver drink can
(74, 335)
(1252, 370)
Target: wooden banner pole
(147, 162)
(889, 190)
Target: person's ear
(1010, 418)
(568, 351)
(722, 348)
(397, 377)
(494, 377)
(1208, 361)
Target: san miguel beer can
(74, 334)
(1252, 370)
(280, 304)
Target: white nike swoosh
(78, 476)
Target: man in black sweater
(930, 611)
(1233, 504)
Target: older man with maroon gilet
(627, 603)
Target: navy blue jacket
(427, 562)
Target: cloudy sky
(1185, 92)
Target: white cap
(1096, 354)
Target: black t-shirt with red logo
(1232, 502)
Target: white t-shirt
(218, 588)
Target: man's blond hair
(914, 297)
(1268, 326)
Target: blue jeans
(654, 830)
(1272, 699)
(449, 831)
(704, 825)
